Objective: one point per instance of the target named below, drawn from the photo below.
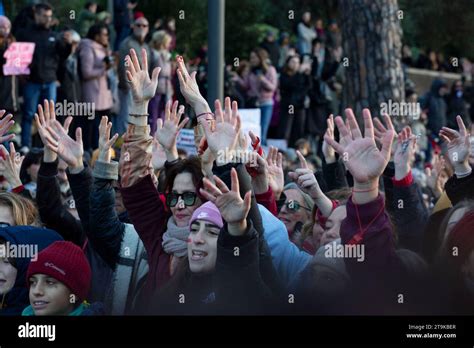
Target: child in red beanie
(59, 281)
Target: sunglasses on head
(189, 198)
(294, 206)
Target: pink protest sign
(19, 56)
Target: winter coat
(293, 90)
(95, 86)
(235, 287)
(117, 242)
(263, 89)
(50, 51)
(55, 215)
(8, 84)
(404, 202)
(436, 106)
(17, 298)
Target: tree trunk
(372, 54)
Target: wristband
(206, 113)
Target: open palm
(142, 87)
(69, 150)
(167, 131)
(360, 154)
(232, 207)
(459, 146)
(227, 127)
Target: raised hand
(188, 84)
(360, 154)
(276, 177)
(305, 179)
(5, 124)
(458, 146)
(158, 155)
(328, 151)
(433, 176)
(69, 150)
(225, 134)
(45, 118)
(167, 132)
(105, 142)
(11, 165)
(380, 130)
(233, 208)
(404, 152)
(143, 88)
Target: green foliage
(445, 26)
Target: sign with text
(19, 56)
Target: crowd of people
(377, 220)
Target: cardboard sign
(19, 56)
(250, 122)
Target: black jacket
(408, 212)
(55, 216)
(293, 90)
(8, 84)
(50, 51)
(234, 288)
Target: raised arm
(106, 231)
(306, 181)
(460, 185)
(48, 196)
(366, 222)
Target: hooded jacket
(17, 298)
(436, 107)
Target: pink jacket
(94, 75)
(263, 89)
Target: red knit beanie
(462, 238)
(65, 262)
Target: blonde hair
(160, 38)
(24, 210)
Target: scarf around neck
(175, 239)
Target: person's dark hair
(262, 55)
(32, 157)
(317, 40)
(191, 165)
(286, 69)
(96, 29)
(89, 4)
(44, 6)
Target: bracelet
(139, 115)
(206, 113)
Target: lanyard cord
(357, 238)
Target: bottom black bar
(239, 330)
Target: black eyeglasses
(189, 198)
(294, 206)
(4, 224)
